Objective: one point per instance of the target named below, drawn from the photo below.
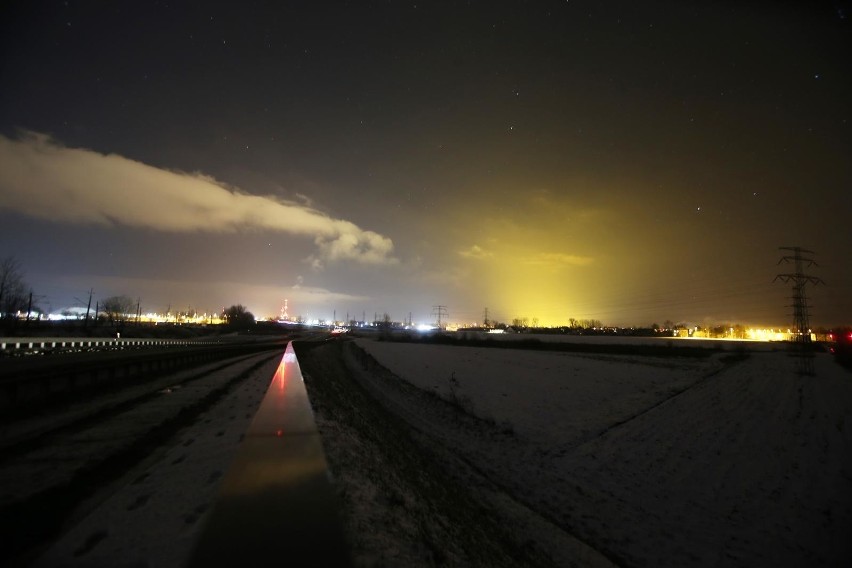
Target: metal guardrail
(30, 381)
(276, 505)
(18, 344)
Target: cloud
(41, 178)
(476, 251)
(556, 258)
(541, 258)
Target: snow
(623, 339)
(659, 461)
(555, 397)
(725, 460)
(152, 515)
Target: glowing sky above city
(620, 161)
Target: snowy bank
(728, 460)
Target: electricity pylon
(801, 325)
(440, 311)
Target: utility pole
(485, 322)
(800, 258)
(88, 307)
(138, 309)
(440, 311)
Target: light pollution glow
(546, 259)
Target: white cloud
(476, 251)
(540, 258)
(44, 179)
(557, 258)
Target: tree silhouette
(118, 308)
(238, 316)
(13, 289)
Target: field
(726, 458)
(594, 454)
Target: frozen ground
(152, 515)
(529, 458)
(720, 461)
(722, 344)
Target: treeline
(19, 304)
(16, 296)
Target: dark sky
(628, 162)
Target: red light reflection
(275, 405)
(280, 377)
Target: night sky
(629, 162)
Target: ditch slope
(408, 499)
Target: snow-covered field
(594, 459)
(717, 461)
